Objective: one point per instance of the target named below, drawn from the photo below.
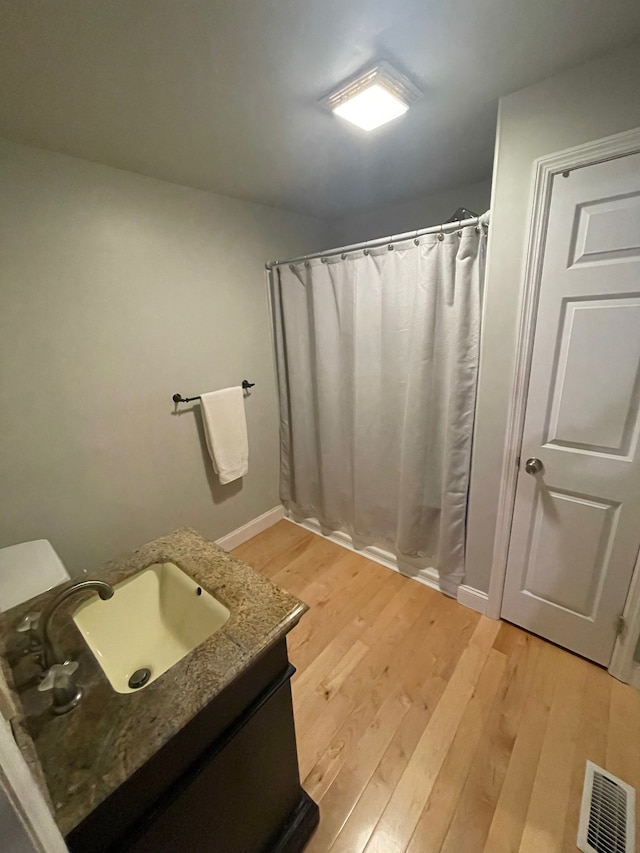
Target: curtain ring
(291, 267)
(324, 260)
(307, 263)
(344, 256)
(390, 247)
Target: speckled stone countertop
(85, 755)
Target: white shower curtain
(377, 359)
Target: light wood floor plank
(399, 819)
(380, 609)
(488, 766)
(623, 743)
(353, 807)
(311, 565)
(591, 745)
(324, 713)
(440, 808)
(262, 551)
(544, 826)
(505, 832)
(399, 664)
(333, 612)
(425, 686)
(425, 728)
(356, 771)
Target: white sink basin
(154, 619)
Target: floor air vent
(607, 816)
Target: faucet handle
(28, 623)
(66, 694)
(58, 675)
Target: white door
(576, 524)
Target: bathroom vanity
(203, 758)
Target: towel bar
(178, 398)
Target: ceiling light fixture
(373, 97)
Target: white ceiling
(222, 94)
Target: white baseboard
(427, 576)
(467, 595)
(251, 528)
(476, 599)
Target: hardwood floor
(424, 727)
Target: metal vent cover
(607, 814)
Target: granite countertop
(83, 756)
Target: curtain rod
(482, 220)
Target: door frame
(544, 171)
(20, 793)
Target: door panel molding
(576, 311)
(544, 171)
(588, 245)
(600, 516)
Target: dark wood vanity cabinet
(227, 782)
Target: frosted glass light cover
(371, 107)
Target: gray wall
(411, 215)
(117, 291)
(586, 103)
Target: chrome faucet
(51, 653)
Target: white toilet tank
(27, 569)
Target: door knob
(533, 465)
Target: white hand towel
(225, 428)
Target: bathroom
(154, 158)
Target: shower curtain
(377, 360)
